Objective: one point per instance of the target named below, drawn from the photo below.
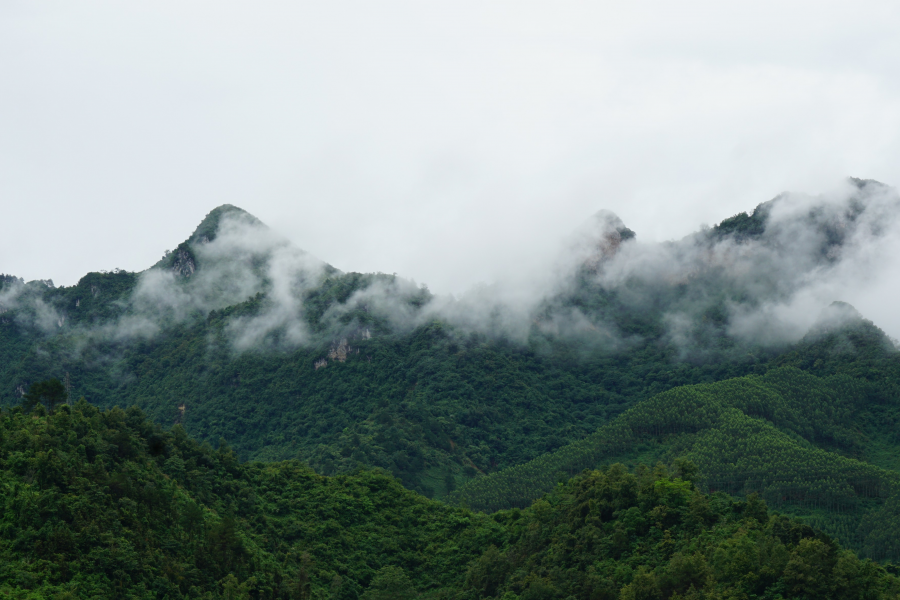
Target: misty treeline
(232, 324)
(759, 279)
(104, 504)
(237, 335)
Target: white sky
(451, 142)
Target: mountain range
(726, 351)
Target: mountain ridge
(241, 336)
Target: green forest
(432, 405)
(254, 423)
(107, 504)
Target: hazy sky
(451, 142)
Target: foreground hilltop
(108, 504)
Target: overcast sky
(450, 142)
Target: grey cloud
(813, 250)
(244, 258)
(769, 280)
(764, 281)
(30, 308)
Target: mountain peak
(599, 238)
(840, 319)
(208, 228)
(839, 313)
(183, 259)
(605, 222)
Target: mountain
(106, 504)
(237, 335)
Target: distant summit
(841, 329)
(829, 219)
(599, 238)
(184, 260)
(836, 316)
(608, 224)
(208, 228)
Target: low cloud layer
(774, 283)
(763, 279)
(770, 274)
(245, 258)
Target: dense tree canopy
(103, 504)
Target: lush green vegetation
(106, 504)
(434, 405)
(437, 409)
(612, 535)
(356, 374)
(789, 436)
(102, 504)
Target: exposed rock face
(339, 351)
(184, 264)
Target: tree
(808, 572)
(390, 583)
(50, 393)
(232, 589)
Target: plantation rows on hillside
(783, 435)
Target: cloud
(289, 274)
(242, 259)
(807, 252)
(27, 305)
(758, 279)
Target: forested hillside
(236, 334)
(343, 406)
(810, 446)
(433, 406)
(104, 504)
